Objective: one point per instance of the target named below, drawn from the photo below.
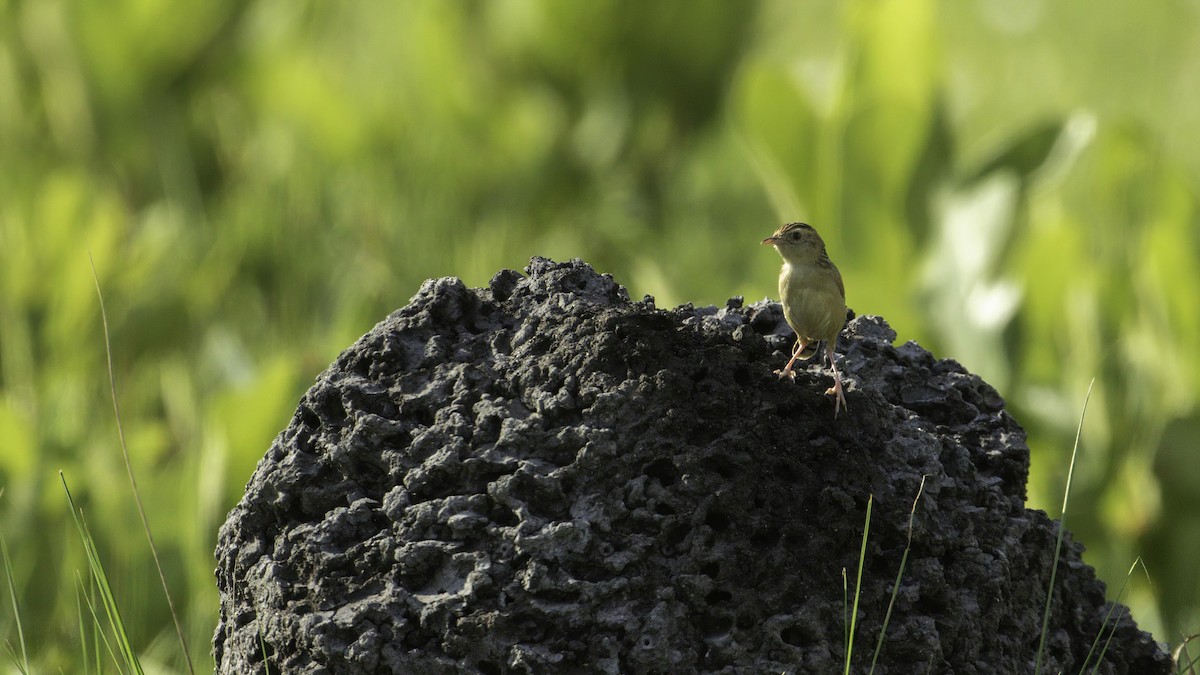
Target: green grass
(255, 200)
(133, 486)
(21, 662)
(899, 574)
(1062, 528)
(111, 619)
(852, 622)
(850, 619)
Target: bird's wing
(825, 262)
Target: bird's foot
(786, 372)
(837, 391)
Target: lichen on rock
(545, 476)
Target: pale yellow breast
(812, 302)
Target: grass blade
(98, 625)
(896, 587)
(1062, 527)
(1180, 655)
(1112, 608)
(862, 555)
(107, 598)
(83, 642)
(845, 611)
(137, 496)
(23, 664)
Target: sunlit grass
(1062, 528)
(133, 486)
(270, 213)
(128, 661)
(21, 663)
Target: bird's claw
(840, 403)
(786, 372)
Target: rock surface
(543, 476)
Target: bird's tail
(809, 350)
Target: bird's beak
(771, 240)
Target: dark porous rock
(544, 476)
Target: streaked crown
(796, 236)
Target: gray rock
(543, 476)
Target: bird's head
(796, 241)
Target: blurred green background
(1013, 183)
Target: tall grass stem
(896, 587)
(862, 555)
(137, 496)
(23, 664)
(1062, 527)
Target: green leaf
(1024, 155)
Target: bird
(813, 298)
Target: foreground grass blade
(99, 636)
(137, 496)
(23, 663)
(896, 587)
(845, 611)
(1062, 527)
(83, 643)
(862, 555)
(1112, 608)
(1184, 664)
(107, 598)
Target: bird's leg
(837, 388)
(797, 350)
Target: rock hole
(718, 597)
(714, 627)
(586, 570)
(416, 640)
(309, 418)
(718, 521)
(724, 469)
(502, 515)
(664, 509)
(502, 343)
(676, 535)
(488, 668)
(711, 569)
(421, 416)
(539, 345)
(765, 538)
(796, 636)
(741, 375)
(663, 470)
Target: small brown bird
(813, 297)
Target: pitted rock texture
(543, 476)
